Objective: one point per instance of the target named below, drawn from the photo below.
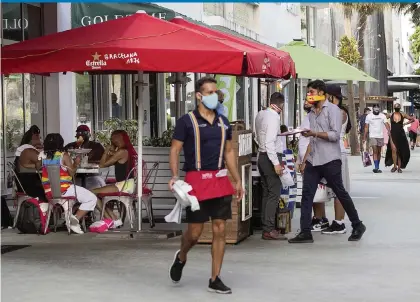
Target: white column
(66, 83)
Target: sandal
(393, 170)
(399, 170)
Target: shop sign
(84, 14)
(98, 60)
(245, 144)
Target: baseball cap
(83, 128)
(334, 90)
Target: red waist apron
(208, 184)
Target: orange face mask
(312, 99)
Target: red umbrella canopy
(135, 43)
(262, 60)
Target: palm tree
(363, 10)
(409, 8)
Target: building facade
(61, 102)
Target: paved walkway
(384, 266)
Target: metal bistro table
(85, 171)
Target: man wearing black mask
(323, 160)
(97, 150)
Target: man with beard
(374, 127)
(324, 161)
(83, 141)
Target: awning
(401, 86)
(312, 63)
(262, 60)
(135, 43)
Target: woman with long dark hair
(122, 155)
(398, 150)
(55, 154)
(26, 158)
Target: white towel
(190, 201)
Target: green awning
(312, 63)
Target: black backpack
(31, 219)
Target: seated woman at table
(122, 155)
(54, 154)
(26, 158)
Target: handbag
(321, 194)
(366, 159)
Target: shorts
(216, 208)
(376, 142)
(412, 135)
(126, 186)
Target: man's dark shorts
(413, 136)
(217, 208)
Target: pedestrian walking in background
(398, 150)
(267, 128)
(206, 138)
(374, 126)
(412, 131)
(324, 161)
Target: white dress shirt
(303, 142)
(267, 128)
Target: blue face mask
(210, 101)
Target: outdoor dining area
(137, 44)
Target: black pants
(6, 218)
(271, 186)
(332, 173)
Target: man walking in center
(206, 138)
(267, 127)
(374, 128)
(323, 160)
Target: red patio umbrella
(262, 60)
(137, 42)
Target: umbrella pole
(140, 148)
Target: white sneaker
(77, 229)
(74, 220)
(117, 223)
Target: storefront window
(12, 21)
(84, 100)
(190, 92)
(13, 111)
(169, 101)
(240, 98)
(22, 94)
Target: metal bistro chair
(128, 200)
(18, 197)
(57, 201)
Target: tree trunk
(352, 112)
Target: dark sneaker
(321, 225)
(217, 286)
(335, 228)
(375, 170)
(175, 272)
(302, 238)
(357, 232)
(379, 171)
(273, 235)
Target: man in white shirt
(267, 126)
(374, 125)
